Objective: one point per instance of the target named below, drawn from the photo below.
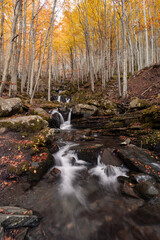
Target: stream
(80, 198)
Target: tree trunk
(24, 74)
(117, 53)
(124, 52)
(44, 48)
(2, 38)
(146, 36)
(10, 49)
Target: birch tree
(10, 49)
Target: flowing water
(84, 201)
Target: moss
(34, 125)
(151, 140)
(20, 169)
(151, 116)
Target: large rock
(109, 158)
(151, 116)
(137, 159)
(85, 110)
(55, 121)
(146, 190)
(26, 123)
(42, 113)
(89, 153)
(9, 106)
(138, 103)
(109, 106)
(14, 217)
(39, 168)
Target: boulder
(109, 158)
(9, 106)
(127, 189)
(85, 110)
(139, 160)
(89, 153)
(55, 121)
(141, 177)
(151, 116)
(26, 123)
(41, 163)
(14, 217)
(64, 111)
(146, 190)
(137, 103)
(42, 113)
(109, 107)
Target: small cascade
(64, 124)
(59, 98)
(61, 117)
(107, 174)
(67, 124)
(68, 163)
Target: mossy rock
(151, 116)
(137, 103)
(41, 112)
(65, 93)
(109, 105)
(20, 169)
(10, 106)
(151, 140)
(25, 123)
(39, 168)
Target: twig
(146, 90)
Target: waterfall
(67, 124)
(61, 117)
(65, 158)
(107, 174)
(59, 98)
(64, 124)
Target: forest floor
(144, 84)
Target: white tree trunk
(9, 54)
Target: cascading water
(59, 98)
(69, 172)
(64, 124)
(70, 166)
(67, 124)
(107, 174)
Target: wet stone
(109, 158)
(14, 217)
(141, 177)
(146, 190)
(55, 121)
(136, 159)
(55, 172)
(88, 153)
(127, 189)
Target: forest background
(44, 43)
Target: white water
(61, 117)
(59, 98)
(67, 124)
(64, 124)
(70, 166)
(64, 162)
(107, 174)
